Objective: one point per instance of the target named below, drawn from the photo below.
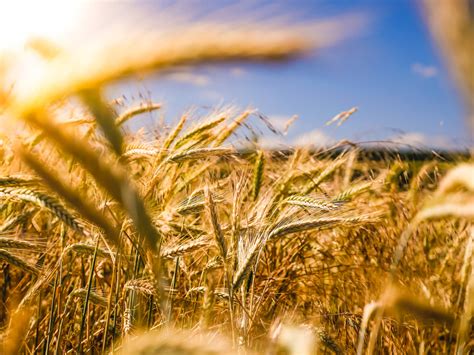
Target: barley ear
(218, 235)
(124, 117)
(258, 174)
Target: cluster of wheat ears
(184, 244)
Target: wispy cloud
(421, 140)
(282, 123)
(238, 72)
(189, 77)
(272, 142)
(423, 70)
(410, 138)
(314, 138)
(319, 139)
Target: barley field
(191, 241)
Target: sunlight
(21, 20)
(195, 177)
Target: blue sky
(391, 71)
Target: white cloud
(315, 138)
(425, 71)
(272, 142)
(282, 123)
(238, 72)
(420, 140)
(410, 138)
(189, 77)
(319, 139)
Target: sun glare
(21, 20)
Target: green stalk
(173, 286)
(86, 301)
(38, 319)
(117, 285)
(109, 303)
(51, 316)
(150, 313)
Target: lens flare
(21, 20)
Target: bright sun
(22, 19)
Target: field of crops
(185, 232)
(188, 240)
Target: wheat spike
(351, 192)
(232, 127)
(185, 248)
(125, 116)
(192, 204)
(18, 262)
(258, 174)
(200, 153)
(12, 243)
(307, 201)
(247, 261)
(86, 249)
(324, 174)
(45, 201)
(141, 285)
(129, 153)
(322, 222)
(15, 220)
(199, 130)
(17, 181)
(218, 235)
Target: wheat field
(185, 242)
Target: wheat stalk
(93, 297)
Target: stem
(86, 301)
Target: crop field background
(191, 240)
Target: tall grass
(185, 244)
